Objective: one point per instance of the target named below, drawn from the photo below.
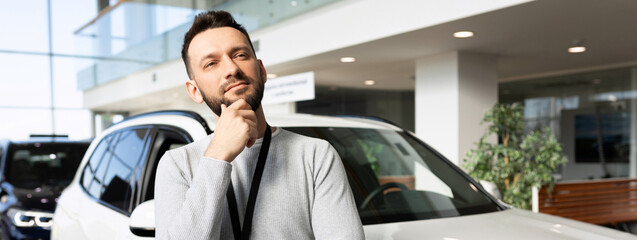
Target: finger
(240, 104)
(252, 133)
(248, 115)
(251, 142)
(235, 104)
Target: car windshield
(30, 165)
(394, 177)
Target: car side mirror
(142, 220)
(491, 188)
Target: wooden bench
(604, 202)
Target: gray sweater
(304, 193)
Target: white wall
(161, 77)
(280, 108)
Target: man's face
(225, 68)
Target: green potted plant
(519, 161)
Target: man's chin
(236, 95)
(247, 98)
(230, 101)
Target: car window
(129, 150)
(92, 182)
(109, 173)
(396, 178)
(167, 139)
(51, 164)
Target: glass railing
(132, 36)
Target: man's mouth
(236, 86)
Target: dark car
(33, 174)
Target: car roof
(280, 120)
(309, 120)
(208, 121)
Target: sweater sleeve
(190, 209)
(334, 212)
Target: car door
(109, 180)
(164, 138)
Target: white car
(403, 188)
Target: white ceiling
(529, 39)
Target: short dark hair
(205, 21)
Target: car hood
(508, 224)
(40, 198)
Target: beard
(252, 98)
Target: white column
(453, 90)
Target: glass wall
(134, 35)
(593, 115)
(31, 34)
(50, 49)
(38, 92)
(395, 106)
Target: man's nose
(231, 69)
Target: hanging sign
(291, 88)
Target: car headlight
(21, 218)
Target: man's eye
(242, 55)
(210, 64)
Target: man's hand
(236, 129)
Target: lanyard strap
(244, 234)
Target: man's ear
(264, 74)
(194, 91)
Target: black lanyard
(252, 198)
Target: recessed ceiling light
(370, 82)
(577, 49)
(293, 3)
(463, 34)
(271, 75)
(348, 59)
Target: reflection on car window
(117, 189)
(109, 172)
(92, 182)
(31, 165)
(396, 178)
(98, 153)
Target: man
(214, 188)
